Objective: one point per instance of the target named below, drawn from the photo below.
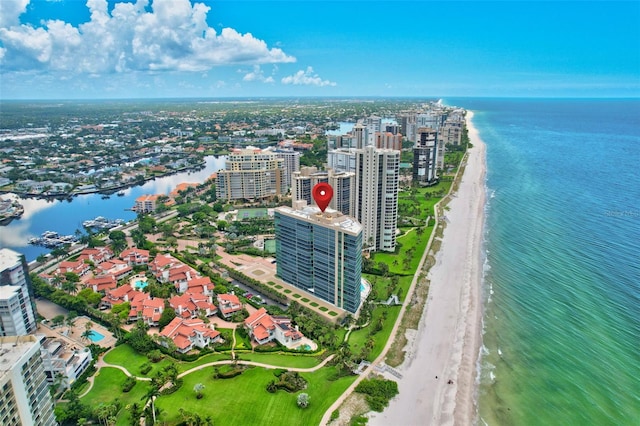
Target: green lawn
(125, 356)
(357, 338)
(184, 366)
(107, 387)
(283, 360)
(409, 241)
(244, 400)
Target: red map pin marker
(322, 194)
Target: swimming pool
(94, 336)
(140, 284)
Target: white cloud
(10, 11)
(174, 36)
(307, 77)
(257, 75)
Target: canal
(66, 216)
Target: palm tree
(70, 287)
(198, 388)
(86, 334)
(152, 394)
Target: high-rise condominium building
(342, 159)
(290, 163)
(320, 253)
(16, 304)
(251, 174)
(388, 140)
(343, 184)
(24, 392)
(377, 176)
(425, 157)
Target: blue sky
(74, 49)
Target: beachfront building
(17, 309)
(452, 128)
(425, 157)
(343, 184)
(377, 179)
(24, 391)
(320, 253)
(251, 174)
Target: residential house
(228, 304)
(195, 285)
(147, 308)
(135, 256)
(97, 255)
(76, 266)
(264, 328)
(119, 295)
(161, 265)
(115, 267)
(102, 283)
(189, 333)
(189, 305)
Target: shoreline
(440, 369)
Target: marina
(101, 222)
(52, 239)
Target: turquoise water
(562, 283)
(140, 284)
(94, 336)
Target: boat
(120, 194)
(101, 222)
(10, 210)
(52, 239)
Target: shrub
(303, 400)
(155, 356)
(290, 381)
(145, 368)
(128, 384)
(378, 392)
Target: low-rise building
(190, 305)
(189, 333)
(135, 256)
(228, 304)
(63, 362)
(264, 328)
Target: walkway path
(258, 364)
(101, 363)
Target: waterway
(66, 216)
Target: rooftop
(12, 348)
(329, 218)
(8, 258)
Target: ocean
(561, 342)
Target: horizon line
(353, 97)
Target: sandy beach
(439, 372)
